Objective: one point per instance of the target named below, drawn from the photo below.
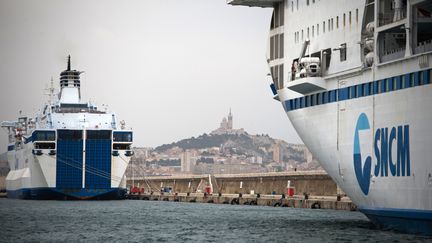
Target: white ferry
(69, 150)
(354, 78)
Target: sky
(171, 69)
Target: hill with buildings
(223, 151)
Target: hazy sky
(170, 69)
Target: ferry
(69, 150)
(354, 78)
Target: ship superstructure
(354, 78)
(70, 150)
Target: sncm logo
(384, 139)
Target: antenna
(69, 64)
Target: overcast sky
(171, 69)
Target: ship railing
(393, 55)
(423, 46)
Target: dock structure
(296, 201)
(300, 189)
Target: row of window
(297, 1)
(78, 135)
(277, 46)
(361, 90)
(310, 31)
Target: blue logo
(362, 172)
(383, 145)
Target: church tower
(230, 120)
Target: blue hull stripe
(406, 220)
(61, 194)
(361, 90)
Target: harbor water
(149, 221)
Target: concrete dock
(296, 201)
(310, 189)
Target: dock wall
(309, 182)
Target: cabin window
(99, 134)
(328, 25)
(317, 29)
(313, 31)
(122, 136)
(307, 2)
(71, 135)
(337, 22)
(323, 26)
(332, 24)
(44, 136)
(292, 6)
(307, 33)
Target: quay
(296, 201)
(299, 189)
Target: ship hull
(56, 194)
(375, 145)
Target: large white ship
(354, 78)
(69, 150)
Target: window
(421, 79)
(69, 135)
(297, 4)
(337, 22)
(313, 31)
(302, 35)
(292, 6)
(319, 99)
(307, 2)
(404, 82)
(349, 18)
(278, 16)
(317, 29)
(411, 80)
(343, 20)
(356, 15)
(325, 97)
(271, 48)
(307, 33)
(281, 76)
(122, 136)
(328, 25)
(342, 52)
(323, 26)
(44, 136)
(332, 25)
(359, 90)
(98, 134)
(394, 83)
(281, 45)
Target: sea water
(161, 221)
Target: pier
(303, 189)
